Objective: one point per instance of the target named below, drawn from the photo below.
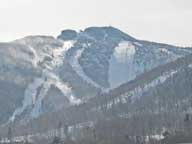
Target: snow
(124, 51)
(59, 53)
(45, 82)
(29, 97)
(138, 44)
(190, 66)
(36, 111)
(74, 61)
(121, 67)
(66, 90)
(74, 101)
(105, 36)
(156, 137)
(52, 79)
(37, 90)
(137, 92)
(164, 50)
(36, 57)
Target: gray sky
(167, 21)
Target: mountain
(42, 74)
(151, 103)
(156, 100)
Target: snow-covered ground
(121, 64)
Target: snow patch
(36, 111)
(190, 66)
(164, 50)
(36, 57)
(59, 53)
(121, 66)
(66, 90)
(105, 36)
(124, 51)
(156, 137)
(138, 44)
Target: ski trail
(74, 61)
(37, 106)
(37, 90)
(121, 64)
(59, 53)
(29, 97)
(36, 57)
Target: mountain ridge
(81, 65)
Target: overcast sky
(167, 21)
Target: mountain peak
(67, 35)
(99, 33)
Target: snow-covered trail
(121, 67)
(52, 79)
(37, 90)
(55, 80)
(29, 97)
(36, 57)
(74, 61)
